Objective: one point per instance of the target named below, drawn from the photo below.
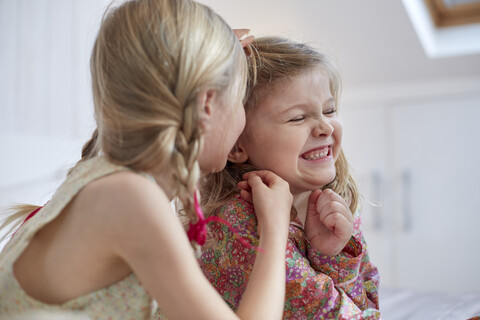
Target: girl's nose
(322, 128)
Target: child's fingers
(267, 177)
(250, 183)
(330, 195)
(333, 213)
(245, 191)
(247, 40)
(250, 174)
(243, 37)
(255, 181)
(243, 185)
(329, 201)
(339, 225)
(335, 208)
(241, 32)
(265, 185)
(247, 196)
(312, 203)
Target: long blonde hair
(150, 60)
(272, 60)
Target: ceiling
(373, 40)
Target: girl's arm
(328, 222)
(148, 236)
(333, 287)
(350, 269)
(267, 191)
(329, 225)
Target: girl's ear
(205, 100)
(238, 154)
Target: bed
(401, 304)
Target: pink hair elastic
(34, 212)
(198, 232)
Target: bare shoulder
(125, 191)
(126, 182)
(125, 202)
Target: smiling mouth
(317, 153)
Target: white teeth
(316, 155)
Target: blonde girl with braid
(168, 79)
(293, 129)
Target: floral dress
(317, 286)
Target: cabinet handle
(407, 200)
(375, 201)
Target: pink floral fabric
(317, 286)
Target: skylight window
(447, 13)
(446, 28)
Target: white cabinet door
(366, 143)
(420, 161)
(436, 158)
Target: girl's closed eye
(298, 118)
(330, 111)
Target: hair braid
(90, 149)
(186, 170)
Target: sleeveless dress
(125, 299)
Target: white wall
(44, 85)
(46, 111)
(44, 61)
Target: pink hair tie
(198, 232)
(34, 212)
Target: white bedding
(401, 304)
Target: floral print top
(344, 286)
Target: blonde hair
(150, 61)
(271, 61)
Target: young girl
(292, 129)
(168, 79)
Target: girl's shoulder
(129, 184)
(122, 197)
(134, 214)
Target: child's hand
(271, 197)
(329, 222)
(243, 37)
